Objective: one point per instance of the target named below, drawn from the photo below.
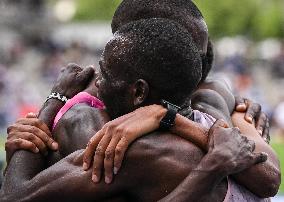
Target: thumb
(240, 104)
(86, 75)
(217, 124)
(259, 157)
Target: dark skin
(147, 150)
(65, 152)
(71, 166)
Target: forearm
(262, 179)
(199, 184)
(183, 127)
(43, 186)
(49, 110)
(63, 181)
(25, 165)
(191, 131)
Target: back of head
(185, 12)
(181, 11)
(161, 52)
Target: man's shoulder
(160, 159)
(82, 115)
(221, 88)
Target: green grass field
(279, 148)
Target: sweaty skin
(155, 152)
(72, 164)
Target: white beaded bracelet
(57, 96)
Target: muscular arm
(206, 180)
(66, 180)
(25, 165)
(263, 179)
(20, 168)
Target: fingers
(261, 123)
(86, 75)
(34, 122)
(33, 134)
(90, 149)
(109, 159)
(217, 124)
(99, 158)
(240, 104)
(251, 145)
(119, 154)
(259, 157)
(17, 144)
(73, 67)
(28, 134)
(265, 133)
(253, 112)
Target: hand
(253, 112)
(109, 145)
(72, 80)
(29, 134)
(231, 152)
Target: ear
(140, 92)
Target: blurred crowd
(32, 54)
(27, 71)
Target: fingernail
(107, 180)
(85, 166)
(54, 146)
(259, 131)
(241, 106)
(95, 178)
(250, 119)
(36, 150)
(115, 170)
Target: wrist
(212, 165)
(168, 121)
(160, 112)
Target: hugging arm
(261, 179)
(64, 181)
(24, 165)
(116, 135)
(228, 153)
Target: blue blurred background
(38, 37)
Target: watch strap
(169, 119)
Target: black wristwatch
(169, 119)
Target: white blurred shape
(230, 46)
(65, 10)
(269, 49)
(94, 35)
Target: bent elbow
(273, 186)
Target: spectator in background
(278, 119)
